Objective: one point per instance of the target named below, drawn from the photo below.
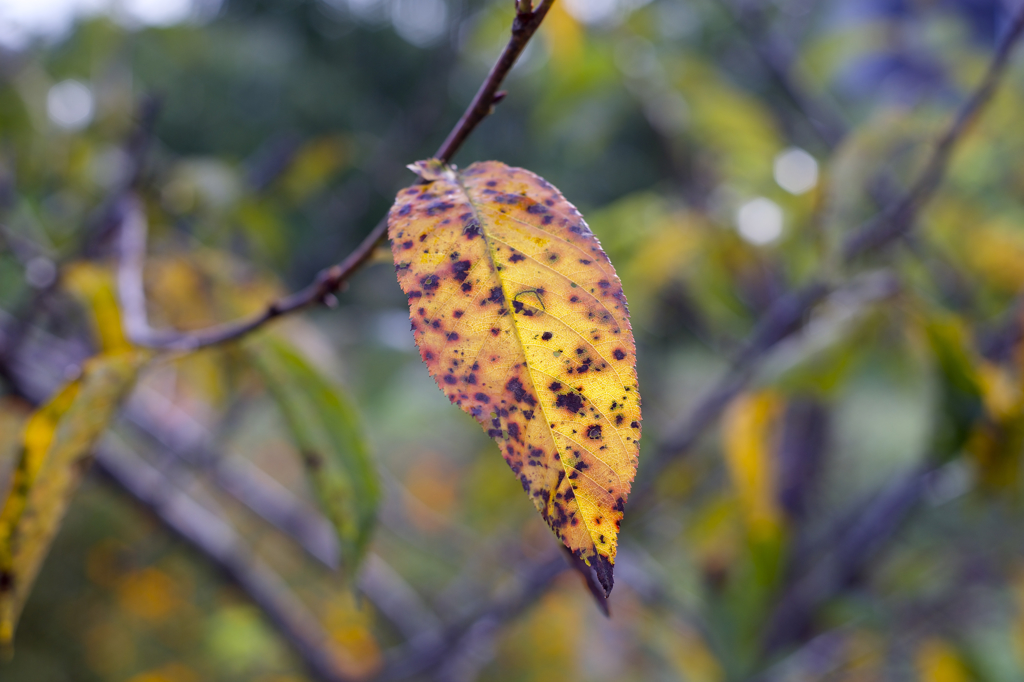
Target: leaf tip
(604, 568)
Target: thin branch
(896, 221)
(423, 654)
(189, 442)
(332, 279)
(524, 26)
(786, 315)
(824, 120)
(220, 544)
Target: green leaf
(55, 452)
(328, 432)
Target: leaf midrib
(478, 214)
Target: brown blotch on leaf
(570, 401)
(461, 270)
(471, 228)
(519, 392)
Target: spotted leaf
(56, 450)
(521, 319)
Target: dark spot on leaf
(312, 459)
(635, 425)
(467, 287)
(604, 284)
(570, 401)
(515, 387)
(555, 386)
(536, 209)
(495, 331)
(458, 313)
(482, 397)
(438, 207)
(516, 257)
(450, 379)
(618, 354)
(471, 228)
(461, 270)
(546, 336)
(594, 432)
(431, 282)
(496, 296)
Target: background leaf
(55, 453)
(329, 433)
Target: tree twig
(894, 222)
(423, 654)
(220, 544)
(332, 279)
(785, 315)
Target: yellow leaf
(937, 661)
(564, 37)
(748, 443)
(314, 165)
(521, 319)
(55, 451)
(995, 251)
(94, 287)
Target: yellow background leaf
(57, 443)
(749, 444)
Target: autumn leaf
(56, 448)
(521, 320)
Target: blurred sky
(420, 22)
